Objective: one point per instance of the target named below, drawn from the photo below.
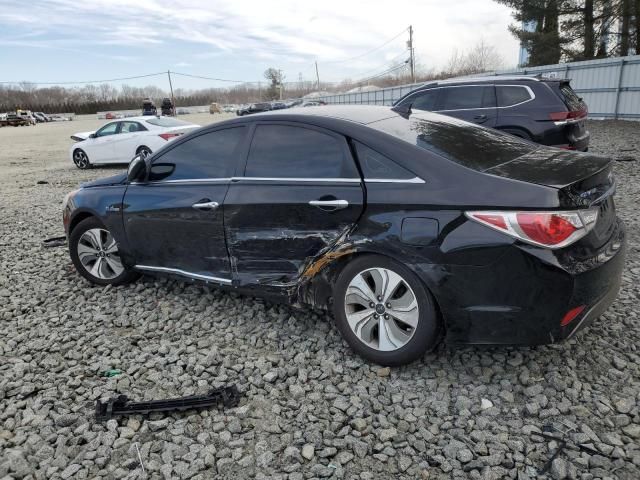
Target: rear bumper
(522, 298)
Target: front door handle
(480, 118)
(204, 206)
(329, 205)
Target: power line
(86, 81)
(392, 69)
(212, 78)
(368, 52)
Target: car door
(174, 220)
(300, 192)
(473, 103)
(99, 149)
(422, 100)
(126, 141)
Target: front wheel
(384, 311)
(95, 254)
(81, 160)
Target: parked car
(119, 141)
(278, 106)
(40, 117)
(543, 110)
(253, 108)
(465, 233)
(182, 111)
(214, 108)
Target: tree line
(572, 30)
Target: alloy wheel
(80, 159)
(381, 309)
(98, 254)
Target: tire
(518, 133)
(144, 151)
(80, 159)
(407, 339)
(94, 253)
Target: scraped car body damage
(488, 287)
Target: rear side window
(422, 101)
(211, 155)
(573, 101)
(468, 145)
(376, 166)
(284, 151)
(509, 95)
(458, 98)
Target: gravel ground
(310, 407)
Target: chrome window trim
(532, 96)
(282, 179)
(394, 180)
(183, 273)
(287, 179)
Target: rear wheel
(144, 151)
(81, 159)
(518, 133)
(96, 256)
(384, 311)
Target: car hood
(118, 179)
(78, 137)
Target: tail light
(571, 315)
(168, 136)
(544, 229)
(570, 116)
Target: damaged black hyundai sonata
(409, 227)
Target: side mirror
(92, 135)
(137, 169)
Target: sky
(72, 40)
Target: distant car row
(27, 117)
(265, 106)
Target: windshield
(166, 122)
(460, 142)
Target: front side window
(462, 98)
(108, 129)
(509, 95)
(283, 151)
(210, 155)
(377, 166)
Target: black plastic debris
(54, 242)
(563, 444)
(42, 182)
(225, 397)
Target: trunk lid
(584, 181)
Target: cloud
(252, 33)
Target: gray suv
(546, 111)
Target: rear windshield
(460, 142)
(166, 122)
(573, 101)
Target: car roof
(488, 79)
(362, 114)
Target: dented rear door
(300, 194)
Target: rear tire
(80, 159)
(94, 252)
(518, 133)
(144, 151)
(375, 294)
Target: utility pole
(317, 77)
(173, 100)
(412, 60)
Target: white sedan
(119, 141)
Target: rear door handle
(204, 206)
(329, 205)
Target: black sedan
(409, 227)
